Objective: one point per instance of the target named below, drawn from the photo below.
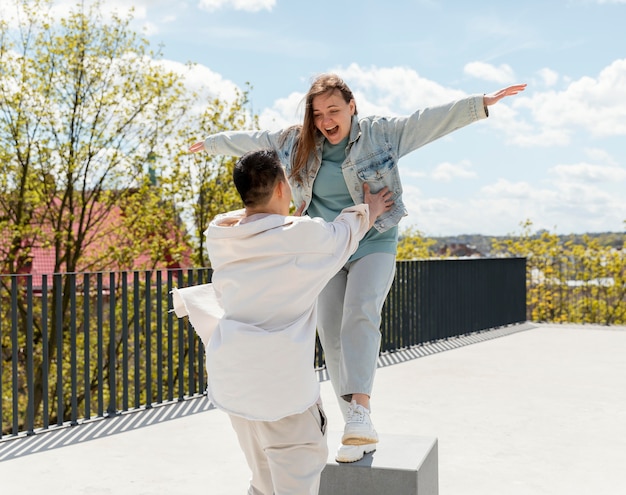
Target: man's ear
(281, 188)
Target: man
(258, 320)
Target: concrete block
(401, 465)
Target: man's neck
(266, 210)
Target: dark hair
(324, 83)
(255, 176)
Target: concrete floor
(525, 410)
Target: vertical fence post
(159, 335)
(73, 350)
(86, 345)
(45, 358)
(100, 343)
(58, 326)
(30, 363)
(125, 336)
(112, 407)
(148, 339)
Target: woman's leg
(329, 317)
(349, 317)
(367, 285)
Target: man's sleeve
(347, 230)
(201, 304)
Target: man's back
(268, 272)
(269, 269)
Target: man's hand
(379, 203)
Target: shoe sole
(346, 460)
(358, 440)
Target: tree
(574, 280)
(206, 179)
(413, 245)
(89, 119)
(82, 106)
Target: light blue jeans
(349, 315)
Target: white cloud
(447, 171)
(503, 74)
(528, 137)
(394, 90)
(378, 91)
(139, 9)
(62, 8)
(202, 79)
(283, 113)
(549, 77)
(587, 173)
(597, 105)
(409, 173)
(576, 201)
(499, 209)
(506, 189)
(246, 5)
(600, 155)
(206, 83)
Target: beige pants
(286, 456)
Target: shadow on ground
(63, 436)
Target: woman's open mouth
(332, 131)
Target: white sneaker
(353, 453)
(358, 429)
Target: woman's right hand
(378, 203)
(195, 147)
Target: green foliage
(94, 126)
(413, 245)
(570, 278)
(83, 105)
(204, 178)
(573, 280)
(119, 348)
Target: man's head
(261, 182)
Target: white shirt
(259, 324)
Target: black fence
(442, 298)
(81, 346)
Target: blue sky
(554, 155)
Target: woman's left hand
(494, 98)
(195, 147)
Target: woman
(328, 159)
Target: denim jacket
(374, 148)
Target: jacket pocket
(376, 167)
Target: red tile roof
(97, 253)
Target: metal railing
(92, 345)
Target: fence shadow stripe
(87, 430)
(62, 436)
